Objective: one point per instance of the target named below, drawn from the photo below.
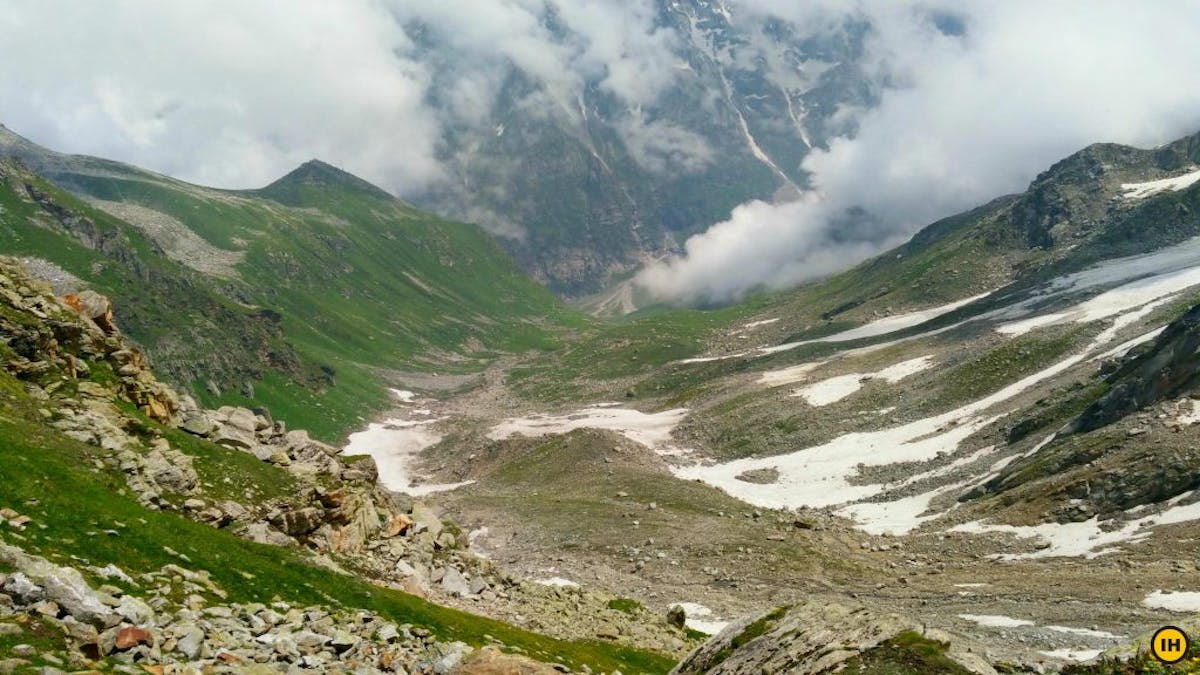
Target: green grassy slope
(340, 283)
(83, 514)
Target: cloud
(234, 94)
(661, 146)
(977, 98)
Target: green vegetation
(83, 515)
(1141, 664)
(908, 653)
(340, 285)
(761, 626)
(627, 605)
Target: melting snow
(756, 324)
(1085, 632)
(394, 444)
(878, 327)
(558, 582)
(775, 378)
(1181, 601)
(1073, 654)
(699, 618)
(995, 620)
(1143, 190)
(837, 388)
(652, 430)
(1086, 538)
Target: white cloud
(966, 119)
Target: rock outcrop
(1167, 368)
(807, 639)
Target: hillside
(306, 296)
(126, 542)
(903, 433)
(600, 181)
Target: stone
(171, 470)
(10, 629)
(262, 533)
(454, 583)
(63, 585)
(426, 520)
(135, 611)
(676, 616)
(132, 636)
(191, 643)
(299, 522)
(343, 641)
(91, 305)
(197, 423)
(397, 525)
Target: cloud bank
(974, 99)
(977, 98)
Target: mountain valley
(975, 452)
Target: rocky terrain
(93, 386)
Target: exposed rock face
(1169, 367)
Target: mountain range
(975, 452)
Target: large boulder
(171, 470)
(808, 639)
(95, 307)
(41, 579)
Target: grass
(340, 284)
(53, 480)
(761, 626)
(908, 653)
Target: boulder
(95, 307)
(171, 470)
(38, 579)
(454, 583)
(299, 522)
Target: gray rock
(262, 533)
(172, 470)
(191, 643)
(454, 583)
(299, 522)
(62, 585)
(135, 611)
(426, 520)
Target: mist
(977, 98)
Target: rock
(454, 583)
(132, 636)
(10, 629)
(171, 470)
(95, 307)
(607, 632)
(397, 525)
(63, 585)
(197, 423)
(191, 642)
(262, 533)
(343, 642)
(453, 657)
(426, 520)
(676, 616)
(135, 611)
(299, 522)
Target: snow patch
(652, 430)
(1143, 190)
(1181, 601)
(756, 324)
(557, 582)
(1087, 632)
(775, 378)
(879, 327)
(837, 388)
(395, 444)
(995, 620)
(700, 618)
(1077, 655)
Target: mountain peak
(316, 178)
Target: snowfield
(1147, 189)
(652, 430)
(395, 445)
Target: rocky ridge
(96, 387)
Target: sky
(976, 99)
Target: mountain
(589, 188)
(989, 429)
(139, 530)
(309, 294)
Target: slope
(329, 283)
